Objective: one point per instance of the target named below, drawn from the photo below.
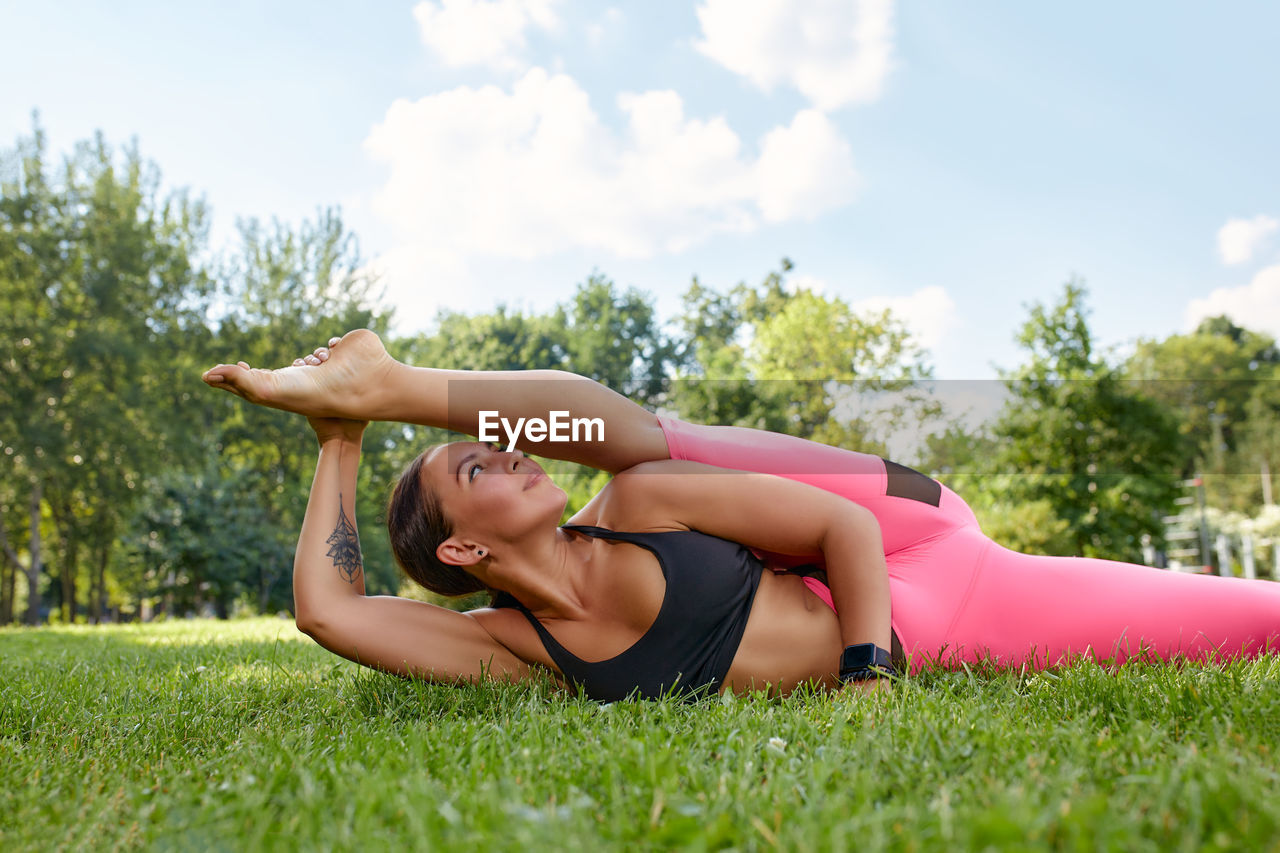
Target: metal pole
(1205, 559)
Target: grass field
(244, 735)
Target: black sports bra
(711, 583)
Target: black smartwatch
(863, 661)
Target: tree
(614, 338)
(287, 291)
(31, 276)
(199, 539)
(500, 340)
(1076, 439)
(817, 353)
(96, 269)
(787, 360)
(1259, 436)
(1210, 377)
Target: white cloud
(1239, 238)
(532, 172)
(835, 52)
(482, 32)
(418, 279)
(609, 24)
(804, 168)
(929, 313)
(1255, 305)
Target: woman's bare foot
(342, 380)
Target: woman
(651, 587)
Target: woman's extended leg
(356, 378)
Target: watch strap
(863, 661)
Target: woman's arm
(779, 515)
(356, 378)
(384, 632)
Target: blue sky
(952, 161)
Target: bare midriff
(791, 637)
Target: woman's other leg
(1046, 609)
(931, 539)
(959, 596)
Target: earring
(481, 553)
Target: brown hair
(417, 525)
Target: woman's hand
(337, 429)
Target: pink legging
(958, 596)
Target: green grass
(244, 735)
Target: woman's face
(489, 493)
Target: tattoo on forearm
(345, 549)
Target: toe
(333, 342)
(322, 354)
(297, 362)
(222, 375)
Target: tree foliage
(127, 487)
(786, 359)
(1078, 461)
(97, 287)
(105, 304)
(1222, 381)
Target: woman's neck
(547, 574)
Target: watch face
(863, 654)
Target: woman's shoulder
(668, 467)
(625, 503)
(638, 498)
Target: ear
(459, 552)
